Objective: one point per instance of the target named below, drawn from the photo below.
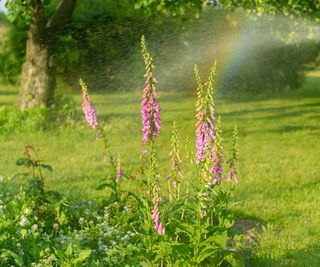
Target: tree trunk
(37, 77)
(37, 82)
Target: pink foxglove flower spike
(149, 107)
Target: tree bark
(37, 77)
(37, 81)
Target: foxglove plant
(90, 113)
(205, 133)
(176, 172)
(149, 107)
(119, 171)
(208, 131)
(150, 129)
(217, 154)
(202, 130)
(232, 174)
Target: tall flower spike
(232, 174)
(201, 125)
(200, 92)
(205, 115)
(217, 154)
(176, 172)
(189, 153)
(89, 110)
(175, 154)
(149, 107)
(119, 171)
(210, 102)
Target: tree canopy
(96, 39)
(298, 8)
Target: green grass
(279, 163)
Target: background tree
(98, 40)
(45, 21)
(37, 80)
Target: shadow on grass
(294, 128)
(309, 89)
(308, 257)
(279, 112)
(252, 229)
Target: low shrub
(61, 113)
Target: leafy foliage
(293, 7)
(62, 113)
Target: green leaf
(236, 260)
(83, 255)
(103, 186)
(141, 202)
(18, 260)
(205, 254)
(24, 162)
(62, 218)
(19, 174)
(189, 228)
(178, 230)
(221, 239)
(69, 250)
(46, 166)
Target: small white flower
(81, 220)
(34, 228)
(24, 221)
(27, 211)
(103, 248)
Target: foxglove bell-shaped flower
(232, 174)
(156, 215)
(89, 109)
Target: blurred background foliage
(101, 45)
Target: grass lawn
(279, 163)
